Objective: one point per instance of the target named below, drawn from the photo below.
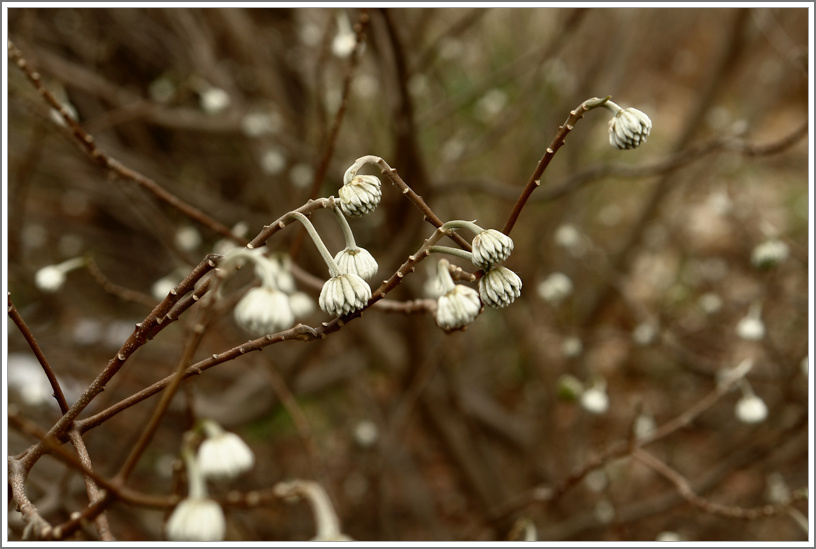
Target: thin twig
(14, 314)
(331, 140)
(557, 142)
(729, 511)
(119, 291)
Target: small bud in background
(750, 408)
(555, 288)
(595, 400)
(214, 100)
(264, 310)
(366, 433)
(645, 333)
(51, 278)
(345, 39)
(572, 347)
(751, 327)
(769, 254)
(188, 238)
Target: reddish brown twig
(557, 142)
(35, 348)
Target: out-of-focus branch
(88, 145)
(14, 314)
(729, 511)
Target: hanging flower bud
(223, 454)
(458, 305)
(264, 310)
(751, 409)
(344, 294)
(499, 287)
(51, 277)
(357, 261)
(595, 400)
(629, 128)
(360, 194)
(750, 327)
(491, 247)
(198, 517)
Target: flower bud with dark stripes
(491, 247)
(499, 287)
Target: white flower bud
(555, 288)
(357, 261)
(301, 303)
(769, 254)
(595, 400)
(264, 310)
(457, 308)
(52, 277)
(223, 454)
(214, 100)
(499, 287)
(361, 195)
(491, 247)
(344, 294)
(572, 347)
(645, 333)
(196, 519)
(629, 129)
(751, 327)
(751, 409)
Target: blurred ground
(230, 110)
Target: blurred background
(644, 277)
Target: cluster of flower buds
(220, 455)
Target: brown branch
(14, 314)
(687, 492)
(144, 331)
(331, 140)
(101, 521)
(87, 143)
(557, 142)
(115, 289)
